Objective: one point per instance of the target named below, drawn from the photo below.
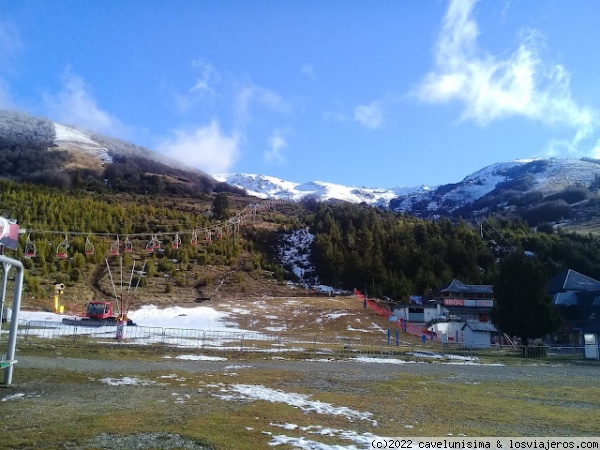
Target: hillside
(36, 150)
(101, 203)
(543, 191)
(193, 254)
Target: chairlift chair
(208, 236)
(30, 250)
(89, 247)
(128, 245)
(114, 247)
(176, 243)
(157, 243)
(150, 246)
(194, 239)
(61, 250)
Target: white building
(475, 334)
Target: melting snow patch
(126, 381)
(201, 358)
(238, 366)
(366, 359)
(364, 440)
(454, 359)
(18, 396)
(300, 401)
(349, 328)
(337, 315)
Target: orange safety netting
(372, 304)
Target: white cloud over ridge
(205, 147)
(75, 104)
(491, 87)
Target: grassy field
(117, 397)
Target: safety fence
(281, 343)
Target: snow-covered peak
(68, 138)
(263, 186)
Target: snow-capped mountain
(264, 186)
(500, 181)
(495, 181)
(475, 194)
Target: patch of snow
(301, 401)
(367, 359)
(127, 381)
(18, 396)
(263, 186)
(67, 137)
(337, 315)
(200, 358)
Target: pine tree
(523, 306)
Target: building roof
(458, 286)
(475, 325)
(569, 280)
(565, 299)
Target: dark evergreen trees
(390, 255)
(523, 306)
(220, 206)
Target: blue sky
(363, 93)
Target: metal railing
(281, 343)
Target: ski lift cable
(131, 277)
(136, 286)
(249, 212)
(500, 234)
(111, 281)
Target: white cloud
(276, 144)
(250, 95)
(492, 87)
(369, 115)
(208, 76)
(76, 105)
(205, 147)
(308, 71)
(10, 44)
(203, 90)
(595, 153)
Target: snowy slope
(75, 140)
(264, 186)
(544, 175)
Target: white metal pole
(16, 307)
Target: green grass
(63, 406)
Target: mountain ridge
(508, 179)
(38, 150)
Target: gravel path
(463, 372)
